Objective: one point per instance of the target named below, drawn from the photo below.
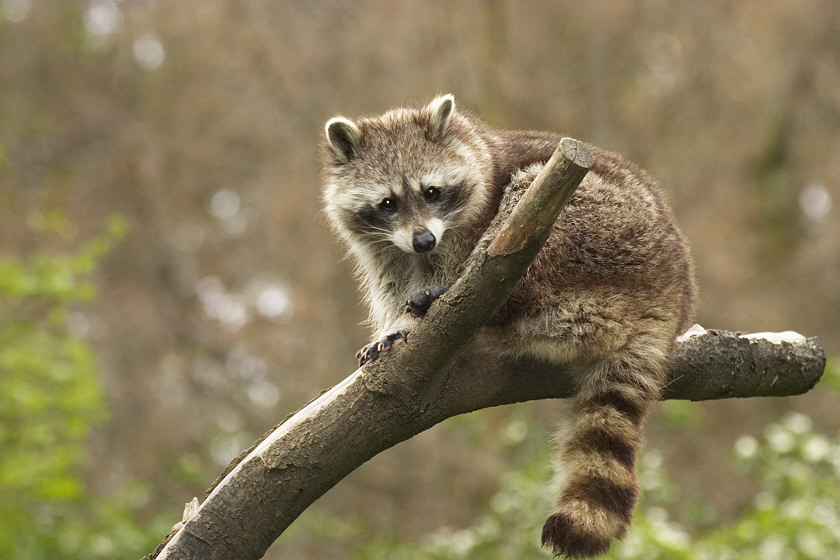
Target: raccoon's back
(616, 237)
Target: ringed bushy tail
(597, 448)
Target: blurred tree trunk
(495, 29)
(778, 211)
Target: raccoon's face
(405, 178)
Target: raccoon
(416, 191)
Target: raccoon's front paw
(418, 304)
(370, 352)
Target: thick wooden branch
(706, 365)
(433, 377)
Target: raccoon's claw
(418, 304)
(370, 352)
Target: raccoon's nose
(423, 242)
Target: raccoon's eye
(388, 204)
(431, 193)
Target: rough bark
(429, 378)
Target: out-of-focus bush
(50, 398)
(795, 514)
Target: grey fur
(608, 293)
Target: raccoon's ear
(440, 115)
(344, 138)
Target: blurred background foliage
(168, 288)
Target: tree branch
(429, 378)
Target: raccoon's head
(407, 177)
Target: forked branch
(433, 377)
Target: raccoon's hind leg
(597, 448)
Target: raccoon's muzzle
(423, 241)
